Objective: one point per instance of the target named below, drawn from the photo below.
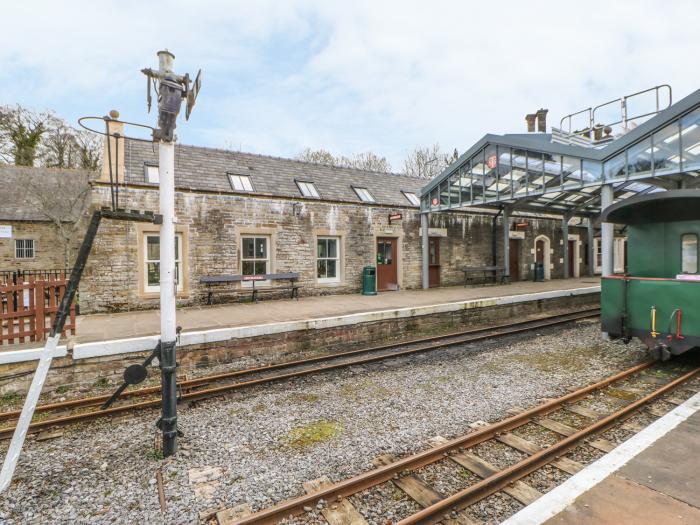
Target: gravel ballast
(258, 446)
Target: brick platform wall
(289, 345)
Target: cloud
(348, 76)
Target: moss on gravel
(314, 433)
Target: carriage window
(689, 253)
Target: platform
(127, 332)
(652, 478)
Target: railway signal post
(171, 89)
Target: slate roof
(206, 169)
(19, 200)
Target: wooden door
(514, 259)
(387, 275)
(572, 258)
(434, 262)
(539, 251)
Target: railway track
(72, 411)
(570, 419)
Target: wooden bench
(484, 275)
(291, 277)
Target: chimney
(116, 146)
(530, 119)
(542, 120)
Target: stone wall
(48, 247)
(211, 226)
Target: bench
(484, 274)
(291, 277)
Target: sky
(348, 77)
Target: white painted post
(166, 170)
(25, 418)
(424, 222)
(607, 232)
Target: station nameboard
(395, 217)
(5, 231)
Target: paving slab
(672, 464)
(619, 501)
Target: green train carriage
(657, 299)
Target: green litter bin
(538, 276)
(369, 280)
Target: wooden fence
(28, 309)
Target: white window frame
(618, 254)
(364, 194)
(267, 259)
(337, 259)
(412, 197)
(151, 173)
(24, 249)
(683, 254)
(240, 182)
(150, 288)
(307, 189)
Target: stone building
(40, 217)
(241, 213)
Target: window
(24, 248)
(327, 263)
(689, 253)
(364, 194)
(151, 173)
(255, 255)
(240, 182)
(151, 262)
(412, 198)
(307, 189)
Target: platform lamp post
(171, 89)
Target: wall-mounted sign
(395, 217)
(521, 225)
(491, 162)
(253, 278)
(5, 232)
(516, 235)
(435, 232)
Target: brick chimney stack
(542, 120)
(530, 119)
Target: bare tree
(89, 155)
(63, 198)
(59, 146)
(21, 132)
(428, 162)
(317, 156)
(367, 161)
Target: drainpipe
(494, 243)
(424, 222)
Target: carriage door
(514, 259)
(572, 259)
(387, 279)
(434, 262)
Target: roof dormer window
(240, 182)
(412, 198)
(307, 189)
(364, 194)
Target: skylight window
(412, 198)
(240, 182)
(364, 194)
(307, 189)
(152, 174)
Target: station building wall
(211, 227)
(32, 245)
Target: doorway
(387, 274)
(514, 259)
(572, 258)
(433, 262)
(543, 255)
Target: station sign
(516, 235)
(5, 231)
(435, 232)
(253, 278)
(395, 217)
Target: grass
(10, 398)
(102, 382)
(314, 433)
(62, 389)
(155, 455)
